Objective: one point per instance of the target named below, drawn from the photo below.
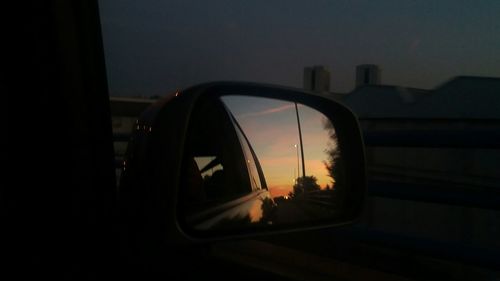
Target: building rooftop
(463, 97)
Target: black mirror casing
(150, 183)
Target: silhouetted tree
(305, 184)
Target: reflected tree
(305, 184)
(332, 164)
(268, 211)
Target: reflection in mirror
(253, 161)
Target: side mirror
(237, 159)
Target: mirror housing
(151, 178)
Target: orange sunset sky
(271, 127)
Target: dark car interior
(59, 203)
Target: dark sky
(155, 47)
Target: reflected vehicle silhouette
(223, 183)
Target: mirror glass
(259, 162)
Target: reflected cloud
(268, 111)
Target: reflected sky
(271, 127)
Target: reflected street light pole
(301, 144)
(297, 149)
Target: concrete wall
(449, 170)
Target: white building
(317, 79)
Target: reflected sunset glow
(271, 127)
